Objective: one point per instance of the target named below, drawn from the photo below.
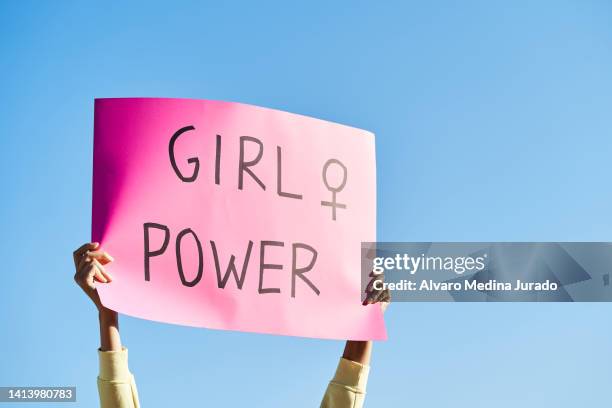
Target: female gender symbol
(333, 203)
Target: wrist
(107, 315)
(358, 351)
(109, 330)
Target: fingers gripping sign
(89, 269)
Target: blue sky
(493, 123)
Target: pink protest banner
(236, 217)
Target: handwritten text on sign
(232, 216)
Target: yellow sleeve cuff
(114, 365)
(352, 374)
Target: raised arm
(116, 386)
(348, 387)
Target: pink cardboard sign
(235, 217)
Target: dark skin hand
(361, 351)
(89, 263)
